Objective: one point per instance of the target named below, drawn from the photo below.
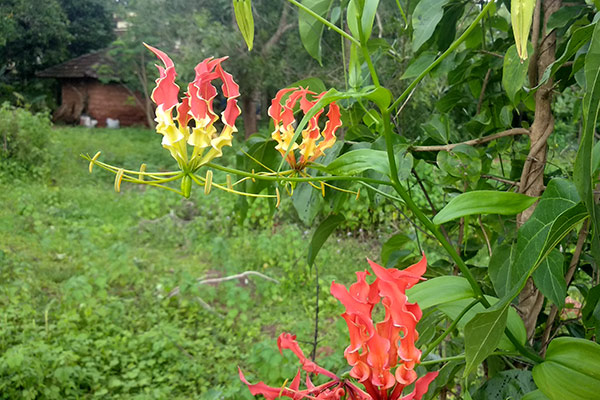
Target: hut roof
(85, 66)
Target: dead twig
(473, 142)
(207, 281)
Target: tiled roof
(85, 66)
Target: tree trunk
(532, 177)
(249, 114)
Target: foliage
(36, 35)
(24, 138)
(85, 285)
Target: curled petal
(288, 341)
(270, 393)
(166, 92)
(421, 386)
(378, 361)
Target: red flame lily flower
(375, 350)
(282, 114)
(197, 104)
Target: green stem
(279, 178)
(450, 329)
(421, 216)
(462, 357)
(366, 55)
(324, 21)
(403, 14)
(450, 50)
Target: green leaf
(380, 96)
(311, 30)
(579, 37)
(437, 128)
(440, 290)
(571, 370)
(555, 215)
(463, 162)
(363, 11)
(483, 202)
(245, 20)
(514, 322)
(535, 395)
(323, 231)
(307, 202)
(562, 17)
(356, 161)
(427, 14)
(512, 384)
(312, 83)
(514, 73)
(549, 277)
(583, 171)
(395, 248)
(419, 65)
(521, 15)
(499, 268)
(482, 336)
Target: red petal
(276, 109)
(232, 111)
(183, 112)
(166, 92)
(421, 386)
(161, 55)
(288, 341)
(230, 88)
(270, 393)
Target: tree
(91, 24)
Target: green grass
(85, 277)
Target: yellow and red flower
(375, 349)
(196, 105)
(314, 142)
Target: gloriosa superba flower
(282, 113)
(196, 105)
(375, 348)
(193, 140)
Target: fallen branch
(206, 281)
(473, 142)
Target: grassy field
(86, 273)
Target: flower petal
(421, 386)
(288, 341)
(166, 92)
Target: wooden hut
(83, 93)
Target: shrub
(24, 138)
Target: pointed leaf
(555, 215)
(311, 30)
(440, 290)
(482, 335)
(579, 37)
(245, 20)
(514, 73)
(521, 16)
(483, 202)
(321, 234)
(427, 14)
(549, 277)
(499, 268)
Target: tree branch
(281, 29)
(473, 142)
(207, 281)
(483, 87)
